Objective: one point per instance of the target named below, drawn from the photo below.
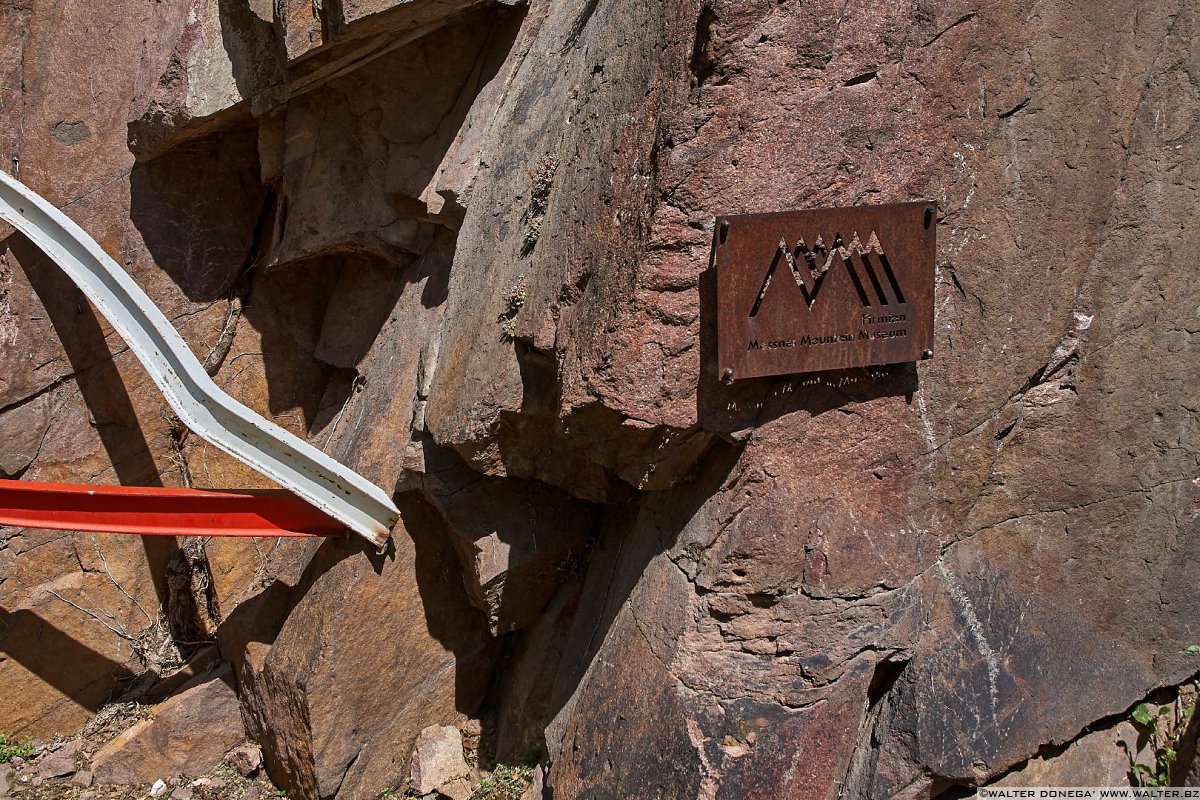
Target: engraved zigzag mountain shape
(818, 260)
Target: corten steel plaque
(803, 291)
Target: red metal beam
(159, 511)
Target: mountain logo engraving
(811, 266)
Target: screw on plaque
(927, 354)
(930, 212)
(727, 375)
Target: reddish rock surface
(372, 651)
(1098, 758)
(246, 760)
(463, 247)
(437, 761)
(59, 763)
(185, 735)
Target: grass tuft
(10, 749)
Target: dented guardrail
(200, 404)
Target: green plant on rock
(512, 306)
(539, 201)
(1162, 728)
(505, 782)
(533, 232)
(10, 749)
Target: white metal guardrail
(197, 400)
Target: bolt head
(727, 375)
(927, 354)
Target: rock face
(1099, 758)
(185, 735)
(59, 763)
(245, 760)
(437, 760)
(516, 538)
(464, 248)
(372, 650)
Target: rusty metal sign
(804, 291)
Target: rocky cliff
(463, 246)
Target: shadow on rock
(339, 674)
(102, 388)
(74, 669)
(550, 661)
